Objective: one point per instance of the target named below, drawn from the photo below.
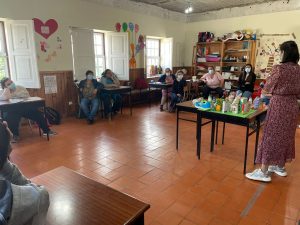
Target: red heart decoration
(45, 29)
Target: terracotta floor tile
(228, 214)
(251, 221)
(280, 220)
(187, 222)
(169, 218)
(259, 213)
(180, 208)
(286, 211)
(216, 221)
(200, 216)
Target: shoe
(161, 108)
(258, 175)
(15, 139)
(90, 121)
(279, 171)
(50, 133)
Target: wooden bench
(76, 200)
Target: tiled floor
(137, 155)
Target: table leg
(149, 96)
(223, 133)
(246, 148)
(256, 138)
(217, 131)
(139, 221)
(46, 123)
(177, 128)
(167, 99)
(212, 141)
(130, 103)
(110, 107)
(199, 127)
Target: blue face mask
(12, 86)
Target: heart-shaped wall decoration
(45, 29)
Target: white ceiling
(200, 6)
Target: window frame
(99, 56)
(2, 24)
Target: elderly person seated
(25, 203)
(246, 82)
(110, 80)
(167, 78)
(9, 91)
(177, 90)
(213, 82)
(89, 102)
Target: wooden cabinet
(227, 57)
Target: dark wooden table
(213, 117)
(159, 85)
(119, 90)
(78, 200)
(24, 103)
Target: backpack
(52, 116)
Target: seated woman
(246, 82)
(109, 79)
(213, 82)
(88, 90)
(30, 202)
(11, 90)
(167, 78)
(177, 91)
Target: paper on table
(16, 100)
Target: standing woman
(246, 81)
(278, 142)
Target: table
(26, 103)
(213, 117)
(118, 90)
(76, 200)
(159, 85)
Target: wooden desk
(213, 117)
(26, 103)
(77, 200)
(119, 90)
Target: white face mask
(247, 70)
(211, 71)
(90, 76)
(168, 73)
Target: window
(18, 54)
(158, 54)
(99, 53)
(98, 50)
(3, 53)
(152, 54)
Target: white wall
(273, 23)
(82, 14)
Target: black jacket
(178, 87)
(242, 86)
(6, 198)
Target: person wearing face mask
(246, 82)
(213, 82)
(89, 102)
(167, 78)
(9, 91)
(277, 146)
(110, 80)
(177, 90)
(27, 203)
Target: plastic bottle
(209, 98)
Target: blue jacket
(163, 78)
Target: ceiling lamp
(189, 9)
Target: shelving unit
(238, 53)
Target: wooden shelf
(237, 51)
(235, 62)
(209, 43)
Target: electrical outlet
(70, 103)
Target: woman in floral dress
(278, 142)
